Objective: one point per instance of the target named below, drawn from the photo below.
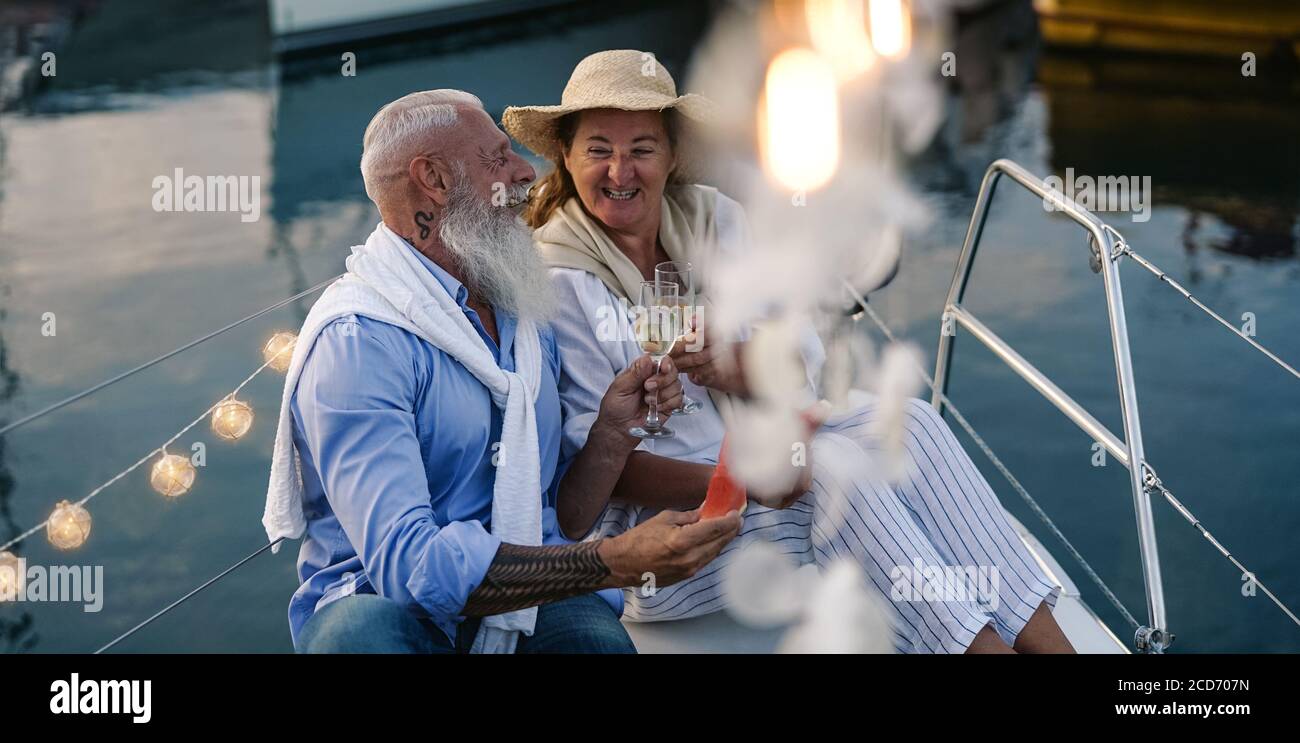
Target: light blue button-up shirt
(396, 439)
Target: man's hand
(673, 545)
(710, 362)
(627, 400)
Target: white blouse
(596, 341)
(594, 333)
(589, 364)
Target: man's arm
(592, 476)
(673, 545)
(660, 482)
(520, 577)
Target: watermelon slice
(725, 493)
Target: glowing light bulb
(279, 351)
(232, 418)
(799, 120)
(69, 525)
(9, 576)
(891, 28)
(172, 475)
(838, 29)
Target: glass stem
(652, 415)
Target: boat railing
(1155, 636)
(1107, 247)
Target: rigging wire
(1124, 249)
(130, 372)
(209, 582)
(1149, 476)
(1002, 468)
(163, 448)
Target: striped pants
(942, 514)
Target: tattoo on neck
(421, 220)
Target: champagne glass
(657, 325)
(681, 274)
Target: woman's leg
(1042, 634)
(861, 519)
(959, 511)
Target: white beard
(494, 251)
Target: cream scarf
(687, 230)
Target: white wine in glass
(657, 325)
(681, 274)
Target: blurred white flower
(842, 616)
(773, 366)
(848, 224)
(763, 587)
(897, 381)
(762, 441)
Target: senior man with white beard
(418, 453)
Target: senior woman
(613, 208)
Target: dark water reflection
(1220, 421)
(196, 88)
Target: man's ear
(433, 177)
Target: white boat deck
(720, 633)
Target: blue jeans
(366, 623)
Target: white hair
(396, 132)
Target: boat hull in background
(303, 25)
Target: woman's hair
(556, 187)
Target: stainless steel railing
(1154, 637)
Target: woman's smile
(620, 195)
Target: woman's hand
(711, 362)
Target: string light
(232, 418)
(279, 351)
(838, 29)
(172, 475)
(69, 525)
(799, 120)
(891, 28)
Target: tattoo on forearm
(421, 220)
(520, 577)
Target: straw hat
(620, 78)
